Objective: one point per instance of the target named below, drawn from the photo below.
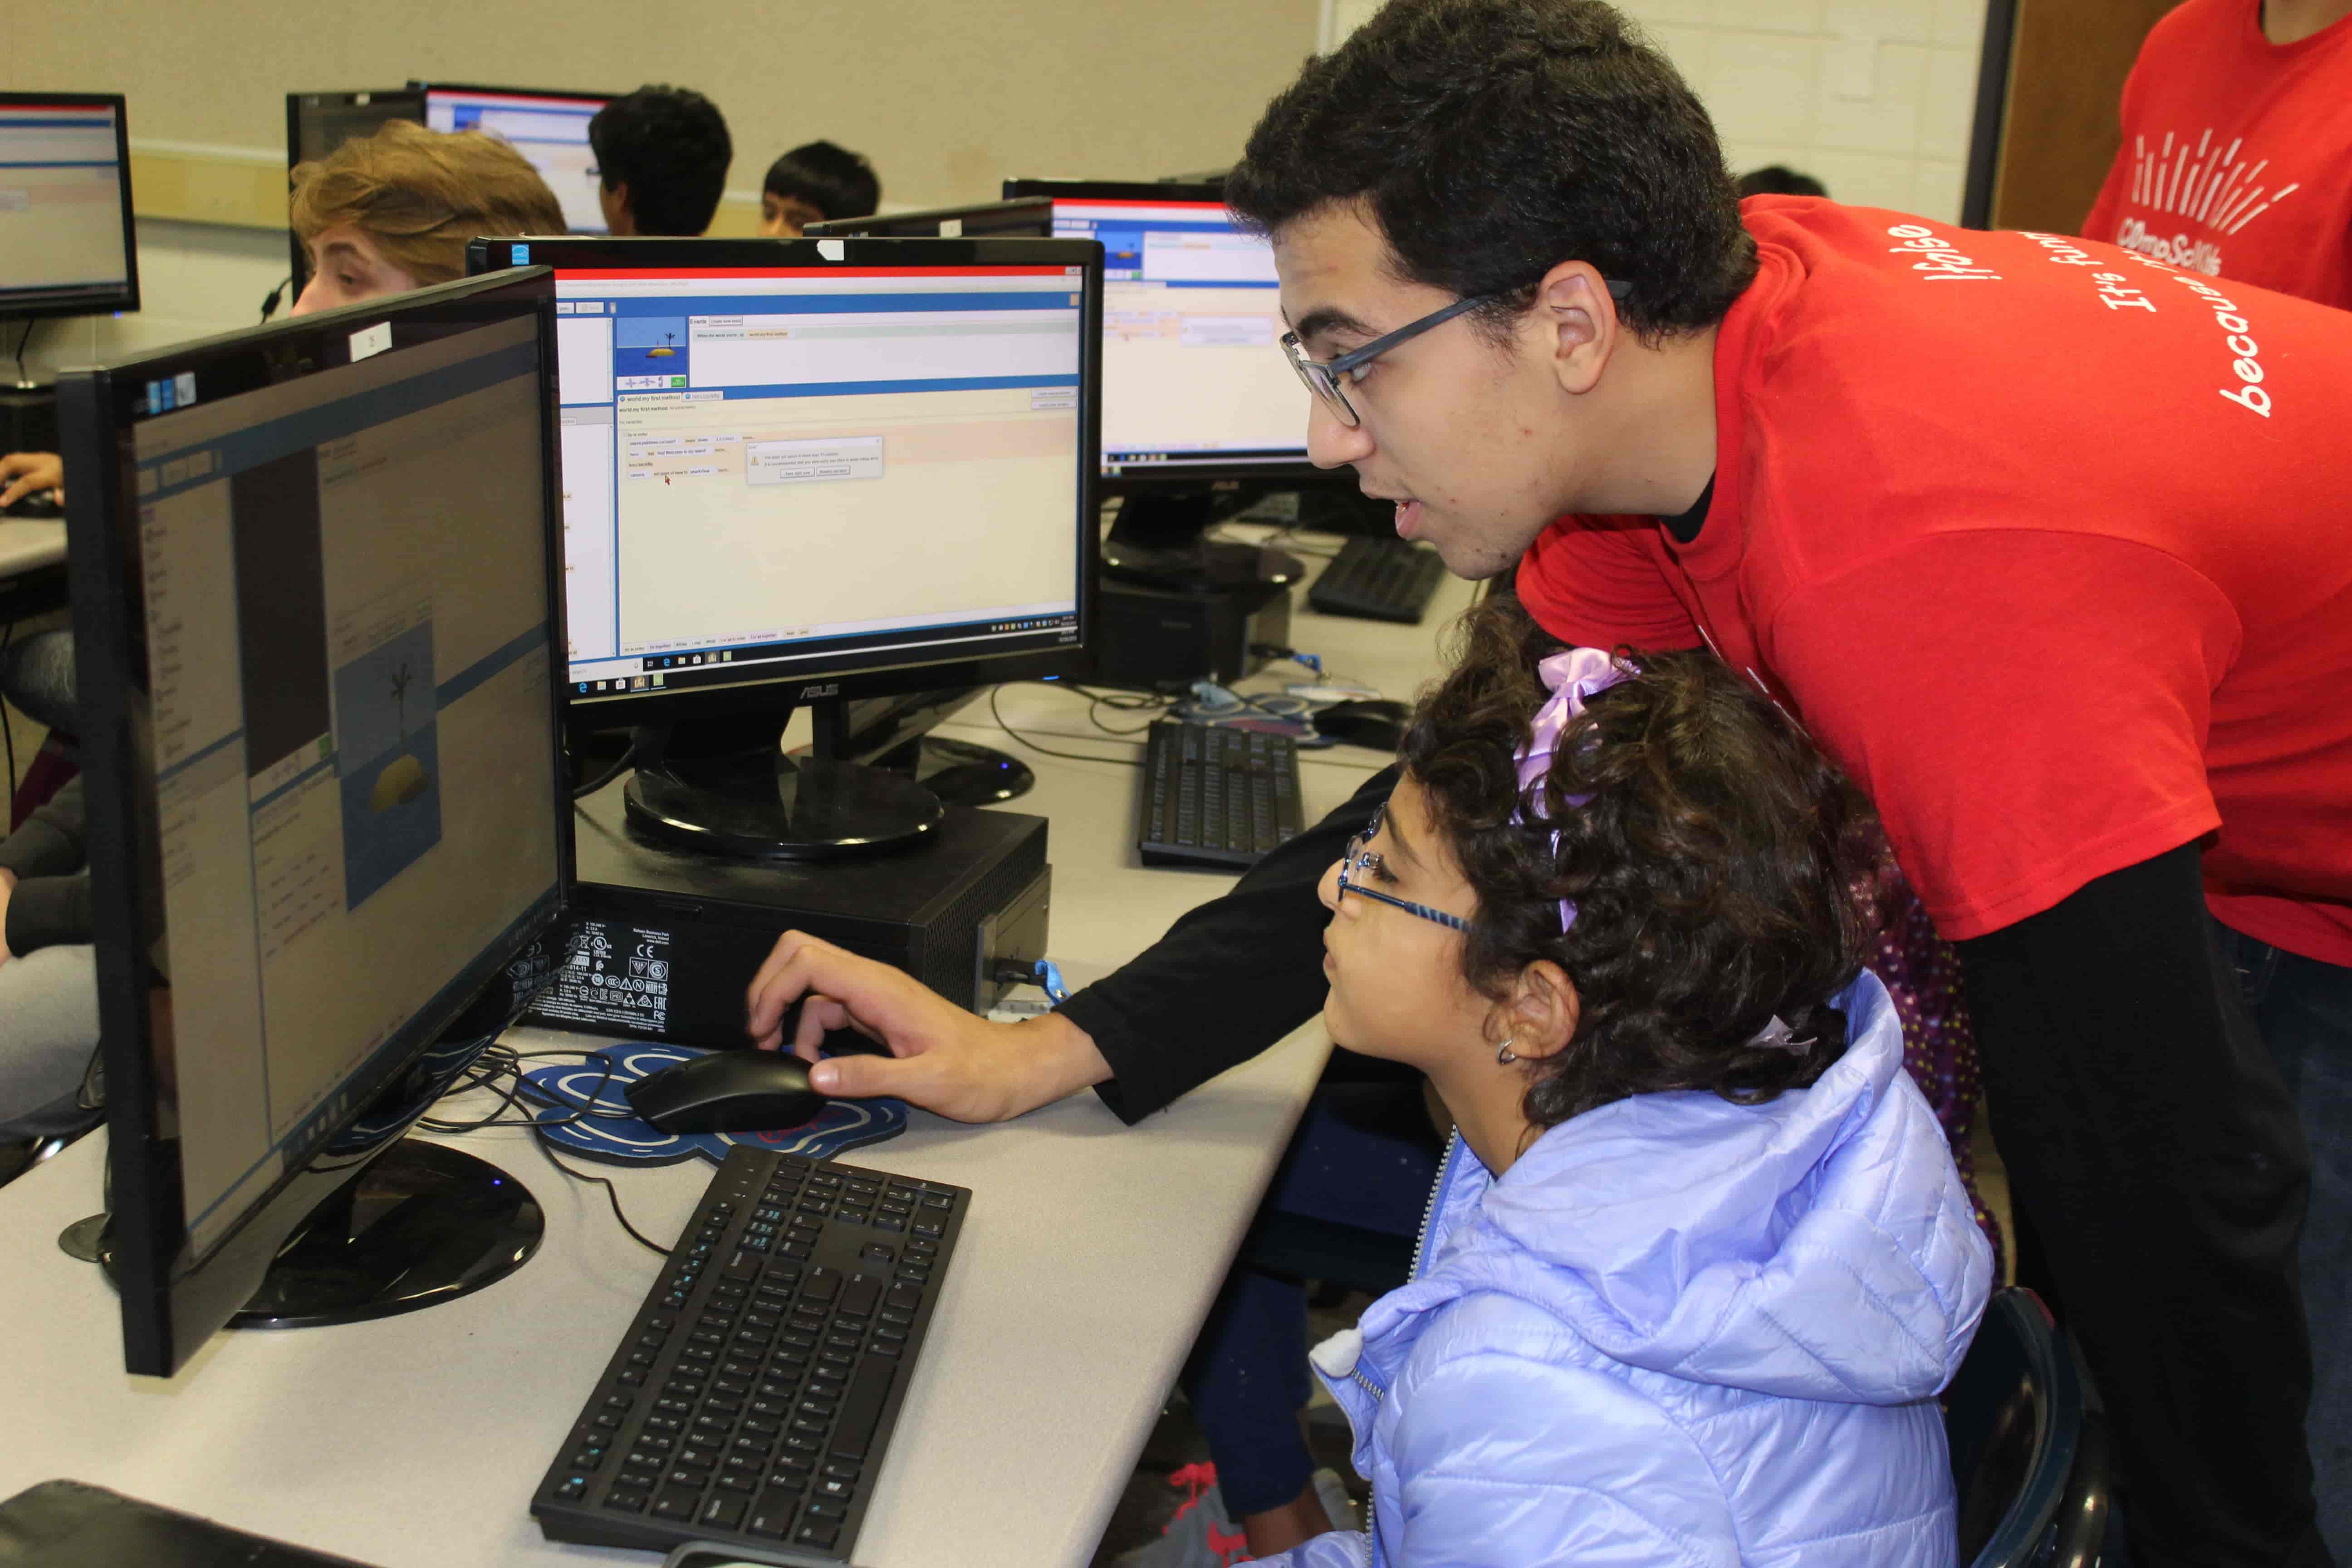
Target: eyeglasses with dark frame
(1358, 858)
(1323, 376)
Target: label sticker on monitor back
(612, 976)
(370, 341)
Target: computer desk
(1089, 1258)
(32, 567)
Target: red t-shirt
(2237, 153)
(2048, 544)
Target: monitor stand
(961, 772)
(1157, 538)
(726, 786)
(424, 1224)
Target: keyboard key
(723, 1511)
(678, 1503)
(861, 1409)
(772, 1514)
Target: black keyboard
(1216, 796)
(1379, 580)
(755, 1390)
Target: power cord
(500, 1070)
(627, 760)
(998, 714)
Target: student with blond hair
(391, 212)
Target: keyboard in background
(1378, 580)
(757, 1387)
(1216, 796)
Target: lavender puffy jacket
(1678, 1331)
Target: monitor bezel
(1218, 473)
(558, 94)
(89, 303)
(170, 1302)
(1029, 217)
(784, 693)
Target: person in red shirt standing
(2237, 153)
(2236, 163)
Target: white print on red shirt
(1939, 259)
(2207, 185)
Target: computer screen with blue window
(1193, 373)
(550, 129)
(781, 471)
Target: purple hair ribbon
(1573, 677)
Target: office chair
(2029, 1461)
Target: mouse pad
(563, 1087)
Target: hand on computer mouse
(943, 1058)
(28, 473)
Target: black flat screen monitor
(1030, 218)
(547, 126)
(67, 244)
(801, 471)
(314, 610)
(1195, 387)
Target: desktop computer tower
(660, 943)
(1165, 639)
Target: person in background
(662, 155)
(813, 183)
(30, 473)
(48, 976)
(391, 212)
(1778, 179)
(2236, 163)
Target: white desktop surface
(1090, 1258)
(29, 544)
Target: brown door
(2046, 137)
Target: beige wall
(947, 98)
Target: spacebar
(861, 1410)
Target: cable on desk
(612, 1195)
(627, 760)
(998, 714)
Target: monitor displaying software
(66, 243)
(343, 584)
(1193, 373)
(549, 128)
(772, 472)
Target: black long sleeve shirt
(1229, 979)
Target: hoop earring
(1506, 1056)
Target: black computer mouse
(35, 504)
(729, 1091)
(1377, 723)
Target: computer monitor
(319, 122)
(314, 610)
(1029, 218)
(803, 471)
(548, 126)
(67, 245)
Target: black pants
(2152, 1144)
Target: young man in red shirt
(2237, 153)
(2040, 538)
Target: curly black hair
(1713, 869)
(669, 145)
(1494, 140)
